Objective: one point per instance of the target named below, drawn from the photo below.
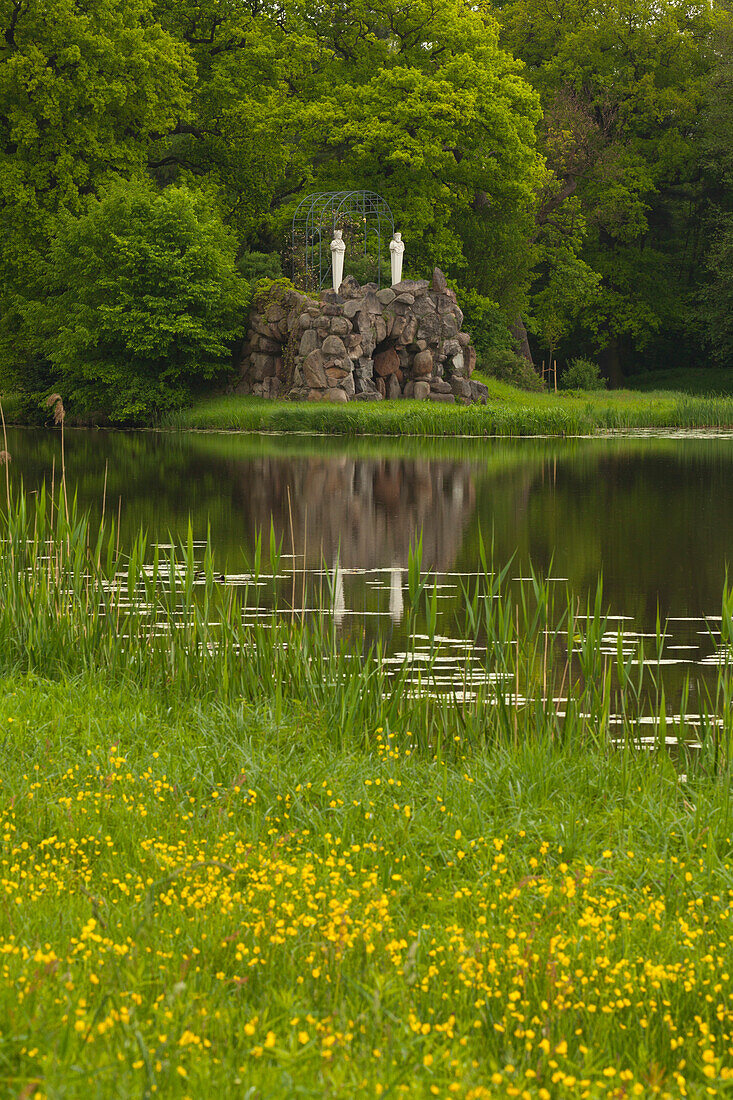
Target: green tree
(83, 88)
(622, 84)
(415, 101)
(716, 299)
(569, 287)
(143, 301)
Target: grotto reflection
(363, 513)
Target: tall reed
(537, 663)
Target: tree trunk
(521, 340)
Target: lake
(654, 515)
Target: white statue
(396, 252)
(338, 248)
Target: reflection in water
(339, 602)
(655, 516)
(396, 601)
(368, 513)
(360, 515)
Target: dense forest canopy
(567, 162)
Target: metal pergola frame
(319, 214)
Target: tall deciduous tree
(622, 83)
(717, 295)
(83, 87)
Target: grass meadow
(509, 411)
(242, 860)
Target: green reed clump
(389, 418)
(509, 412)
(537, 664)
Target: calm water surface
(654, 515)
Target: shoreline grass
(693, 399)
(509, 412)
(245, 859)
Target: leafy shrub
(269, 290)
(143, 302)
(582, 374)
(254, 266)
(363, 266)
(486, 323)
(507, 366)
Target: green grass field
(243, 860)
(220, 901)
(509, 412)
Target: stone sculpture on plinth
(396, 252)
(338, 248)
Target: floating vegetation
(74, 602)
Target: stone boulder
(314, 374)
(422, 364)
(386, 362)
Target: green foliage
(568, 286)
(717, 297)
(485, 322)
(415, 101)
(507, 366)
(567, 164)
(82, 89)
(269, 290)
(254, 266)
(582, 374)
(366, 267)
(622, 84)
(142, 304)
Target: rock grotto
(361, 344)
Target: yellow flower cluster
(155, 943)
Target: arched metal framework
(364, 217)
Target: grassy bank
(509, 412)
(245, 859)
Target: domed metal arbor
(366, 222)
